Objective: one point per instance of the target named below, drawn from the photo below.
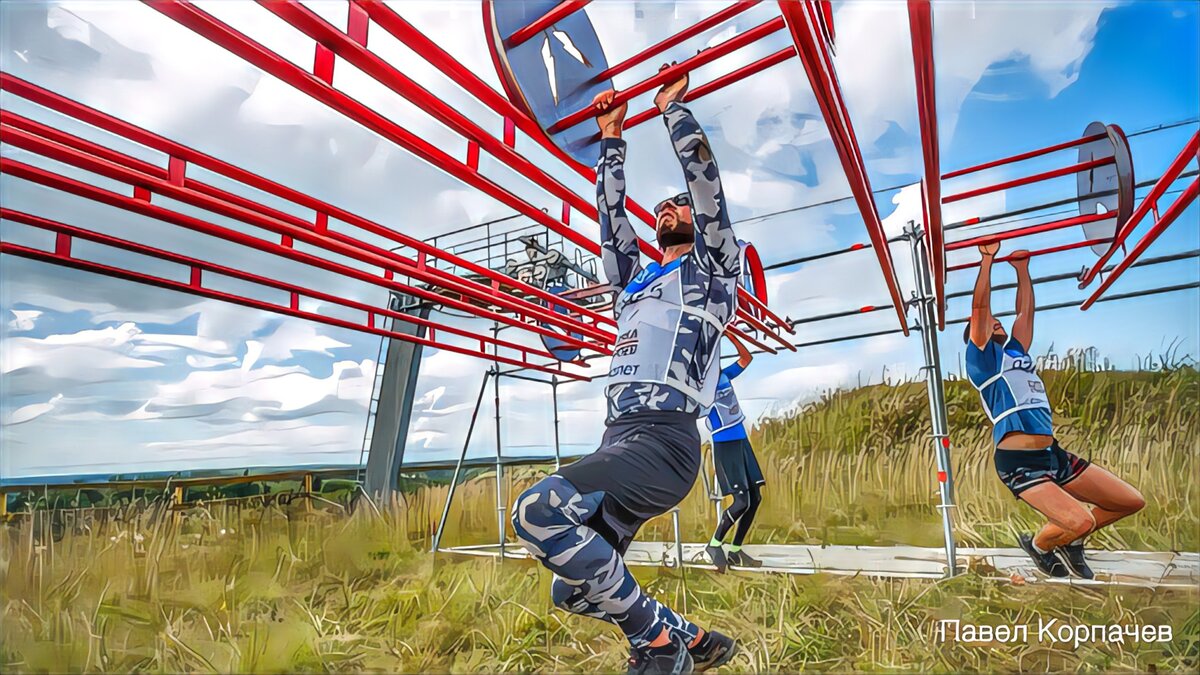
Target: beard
(675, 238)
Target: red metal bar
(803, 23)
(1173, 212)
(920, 22)
(717, 84)
(1023, 156)
(1046, 175)
(324, 210)
(234, 41)
(1026, 231)
(169, 284)
(560, 11)
(1169, 176)
(144, 207)
(1035, 253)
(692, 31)
(295, 291)
(402, 30)
(675, 72)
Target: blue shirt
(736, 432)
(1014, 397)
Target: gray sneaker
(717, 555)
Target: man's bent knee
(1080, 524)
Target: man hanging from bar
(670, 317)
(1028, 458)
(738, 472)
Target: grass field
(299, 587)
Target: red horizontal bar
(695, 29)
(803, 24)
(560, 11)
(1185, 156)
(294, 290)
(138, 135)
(169, 284)
(1035, 253)
(1169, 216)
(674, 72)
(717, 84)
(402, 30)
(1047, 175)
(78, 188)
(1026, 231)
(1024, 155)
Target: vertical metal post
(554, 398)
(437, 536)
(924, 301)
(678, 538)
(499, 466)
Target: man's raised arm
(716, 247)
(618, 239)
(1022, 327)
(981, 301)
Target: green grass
(286, 587)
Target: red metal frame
(1024, 156)
(399, 28)
(920, 21)
(1035, 178)
(803, 23)
(420, 269)
(688, 33)
(289, 232)
(1177, 207)
(717, 84)
(1035, 253)
(675, 71)
(295, 292)
(1026, 231)
(1150, 202)
(560, 11)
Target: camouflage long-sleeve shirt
(669, 318)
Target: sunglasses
(678, 200)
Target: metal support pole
(557, 446)
(437, 536)
(924, 300)
(678, 537)
(499, 466)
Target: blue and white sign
(553, 74)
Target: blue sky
(102, 375)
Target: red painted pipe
(1036, 253)
(560, 11)
(1173, 212)
(1185, 156)
(294, 289)
(1026, 231)
(674, 72)
(1024, 155)
(692, 31)
(1037, 177)
(138, 135)
(920, 21)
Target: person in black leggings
(738, 472)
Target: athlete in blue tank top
(738, 473)
(1028, 458)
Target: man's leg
(548, 519)
(570, 598)
(747, 518)
(731, 516)
(1069, 518)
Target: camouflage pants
(590, 578)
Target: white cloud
(23, 319)
(32, 411)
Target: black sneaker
(742, 559)
(717, 555)
(713, 651)
(1048, 563)
(1073, 557)
(670, 659)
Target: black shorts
(1020, 470)
(737, 467)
